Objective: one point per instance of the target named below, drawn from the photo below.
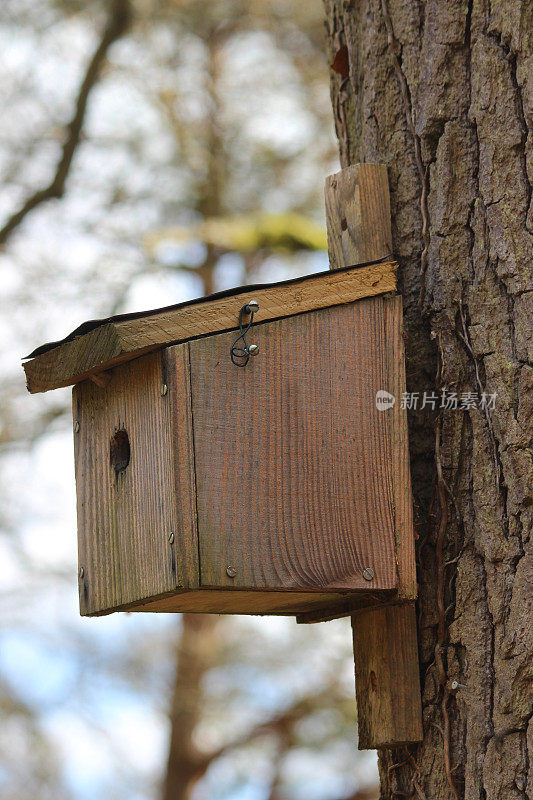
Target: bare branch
(117, 24)
(281, 724)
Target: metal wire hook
(240, 355)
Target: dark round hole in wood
(120, 451)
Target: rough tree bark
(442, 92)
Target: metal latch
(240, 355)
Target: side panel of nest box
(293, 457)
(135, 484)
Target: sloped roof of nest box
(98, 345)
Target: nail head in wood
(164, 390)
(231, 572)
(252, 307)
(81, 573)
(368, 574)
(253, 349)
(171, 537)
(455, 686)
(76, 427)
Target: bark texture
(442, 92)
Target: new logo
(384, 400)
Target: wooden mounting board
(386, 677)
(117, 340)
(385, 639)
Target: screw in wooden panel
(76, 427)
(231, 572)
(368, 573)
(252, 306)
(81, 573)
(164, 389)
(253, 349)
(171, 537)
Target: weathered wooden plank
(122, 340)
(347, 607)
(176, 378)
(358, 215)
(235, 601)
(386, 677)
(293, 461)
(126, 488)
(358, 224)
(397, 419)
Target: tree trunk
(442, 92)
(197, 651)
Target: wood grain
(358, 223)
(386, 677)
(125, 518)
(293, 461)
(349, 605)
(235, 601)
(117, 342)
(176, 376)
(358, 215)
(401, 471)
(395, 419)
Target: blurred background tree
(152, 151)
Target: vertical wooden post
(385, 639)
(387, 682)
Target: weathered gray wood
(125, 518)
(122, 340)
(293, 459)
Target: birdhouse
(244, 453)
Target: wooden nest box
(246, 453)
(205, 483)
